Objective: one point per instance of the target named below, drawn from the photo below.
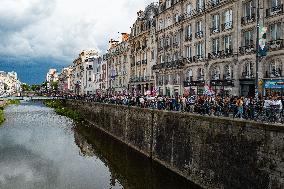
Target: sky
(36, 35)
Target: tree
(26, 87)
(54, 85)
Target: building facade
(213, 43)
(9, 83)
(83, 72)
(117, 58)
(143, 47)
(64, 80)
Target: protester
(270, 109)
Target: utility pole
(257, 49)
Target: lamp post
(257, 50)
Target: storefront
(195, 87)
(274, 87)
(222, 87)
(247, 87)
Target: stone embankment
(212, 152)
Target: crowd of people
(268, 109)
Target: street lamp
(257, 51)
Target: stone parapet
(213, 152)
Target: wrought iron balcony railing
(276, 44)
(249, 49)
(227, 26)
(199, 34)
(215, 29)
(274, 10)
(248, 19)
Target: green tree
(26, 87)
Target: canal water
(42, 150)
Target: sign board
(274, 84)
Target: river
(42, 150)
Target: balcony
(277, 10)
(273, 73)
(200, 9)
(140, 79)
(188, 37)
(144, 62)
(248, 19)
(178, 64)
(220, 54)
(199, 34)
(276, 45)
(214, 30)
(247, 75)
(249, 49)
(90, 67)
(227, 26)
(213, 3)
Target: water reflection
(129, 167)
(37, 150)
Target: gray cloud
(60, 29)
(16, 15)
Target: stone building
(118, 65)
(212, 42)
(84, 72)
(64, 80)
(143, 48)
(9, 83)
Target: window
(215, 46)
(152, 55)
(188, 52)
(168, 3)
(162, 59)
(214, 2)
(227, 43)
(249, 9)
(228, 19)
(199, 50)
(275, 3)
(176, 17)
(248, 70)
(228, 72)
(275, 69)
(189, 9)
(215, 23)
(189, 75)
(199, 26)
(275, 31)
(215, 73)
(200, 74)
(248, 38)
(200, 5)
(188, 33)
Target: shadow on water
(133, 170)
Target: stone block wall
(210, 151)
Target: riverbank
(3, 104)
(60, 109)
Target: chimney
(124, 37)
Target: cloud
(60, 29)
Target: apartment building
(143, 47)
(118, 58)
(65, 79)
(213, 43)
(83, 72)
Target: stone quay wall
(210, 151)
